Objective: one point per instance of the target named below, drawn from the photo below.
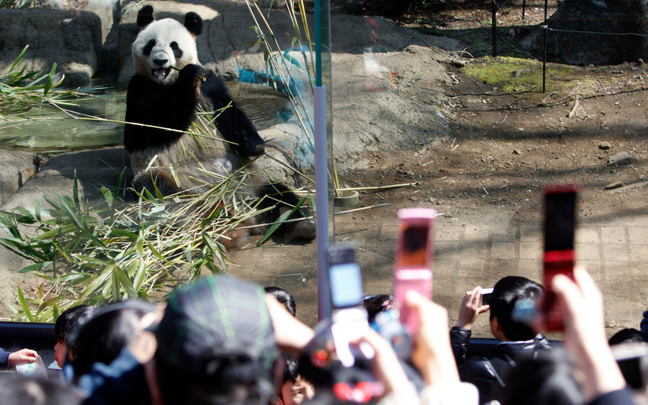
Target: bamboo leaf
(280, 221)
(48, 86)
(157, 254)
(19, 59)
(63, 230)
(71, 214)
(56, 312)
(125, 281)
(37, 210)
(140, 276)
(97, 282)
(11, 307)
(108, 195)
(46, 304)
(75, 190)
(25, 308)
(92, 260)
(312, 200)
(35, 267)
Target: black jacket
(489, 372)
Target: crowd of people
(222, 340)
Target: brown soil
(502, 149)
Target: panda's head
(163, 44)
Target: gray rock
(15, 169)
(621, 158)
(604, 145)
(71, 39)
(93, 169)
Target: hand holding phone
(413, 264)
(349, 318)
(559, 255)
(486, 295)
(471, 307)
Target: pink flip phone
(413, 266)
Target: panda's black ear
(145, 16)
(193, 23)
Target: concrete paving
(467, 255)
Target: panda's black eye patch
(177, 52)
(149, 47)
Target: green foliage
(514, 75)
(21, 90)
(16, 3)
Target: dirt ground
(501, 150)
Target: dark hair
(506, 293)
(290, 369)
(375, 304)
(546, 379)
(628, 335)
(227, 380)
(283, 297)
(103, 336)
(70, 319)
(18, 389)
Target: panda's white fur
(164, 33)
(167, 101)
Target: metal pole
(321, 202)
(494, 25)
(523, 8)
(321, 175)
(544, 57)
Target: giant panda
(167, 93)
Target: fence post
(544, 57)
(494, 25)
(523, 8)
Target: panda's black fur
(167, 101)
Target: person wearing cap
(214, 342)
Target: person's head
(506, 293)
(216, 344)
(375, 304)
(283, 297)
(294, 389)
(105, 334)
(547, 379)
(65, 325)
(628, 335)
(18, 389)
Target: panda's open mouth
(161, 73)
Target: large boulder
(15, 169)
(71, 39)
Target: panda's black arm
(156, 105)
(232, 122)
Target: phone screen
(560, 221)
(632, 372)
(346, 285)
(414, 245)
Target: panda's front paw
(192, 73)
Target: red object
(555, 262)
